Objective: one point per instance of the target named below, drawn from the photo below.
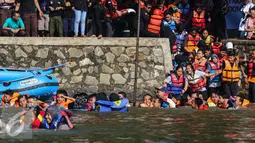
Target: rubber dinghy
(40, 86)
(7, 74)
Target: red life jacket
(201, 66)
(203, 107)
(214, 66)
(196, 83)
(216, 49)
(250, 69)
(198, 20)
(176, 86)
(37, 122)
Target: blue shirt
(10, 23)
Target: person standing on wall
(97, 9)
(28, 11)
(68, 19)
(56, 12)
(80, 8)
(6, 7)
(43, 22)
(247, 5)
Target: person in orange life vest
(176, 12)
(177, 83)
(213, 66)
(199, 18)
(184, 6)
(251, 78)
(198, 104)
(200, 61)
(147, 101)
(62, 99)
(9, 98)
(216, 46)
(145, 19)
(214, 99)
(231, 76)
(250, 24)
(163, 95)
(191, 41)
(197, 80)
(206, 37)
(154, 26)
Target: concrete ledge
(239, 41)
(63, 41)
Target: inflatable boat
(41, 86)
(7, 74)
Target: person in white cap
(229, 46)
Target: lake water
(154, 125)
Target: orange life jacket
(250, 69)
(155, 22)
(231, 73)
(200, 65)
(216, 49)
(198, 20)
(12, 102)
(193, 42)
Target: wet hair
(101, 96)
(193, 29)
(62, 91)
(14, 13)
(9, 92)
(184, 100)
(198, 102)
(147, 95)
(92, 95)
(114, 97)
(123, 94)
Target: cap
(229, 45)
(162, 88)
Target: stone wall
(97, 65)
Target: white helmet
(229, 45)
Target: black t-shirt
(26, 6)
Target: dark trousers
(219, 26)
(10, 33)
(230, 89)
(96, 20)
(56, 26)
(252, 92)
(4, 14)
(31, 24)
(68, 24)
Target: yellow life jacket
(231, 74)
(15, 97)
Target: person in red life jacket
(197, 80)
(231, 76)
(200, 61)
(177, 83)
(216, 46)
(161, 6)
(184, 6)
(206, 37)
(63, 100)
(213, 66)
(163, 95)
(199, 18)
(180, 34)
(251, 78)
(147, 101)
(191, 41)
(145, 19)
(198, 104)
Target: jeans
(68, 27)
(80, 17)
(242, 34)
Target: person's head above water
(197, 103)
(61, 94)
(92, 98)
(51, 113)
(8, 95)
(122, 94)
(114, 97)
(23, 101)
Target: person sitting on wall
(14, 26)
